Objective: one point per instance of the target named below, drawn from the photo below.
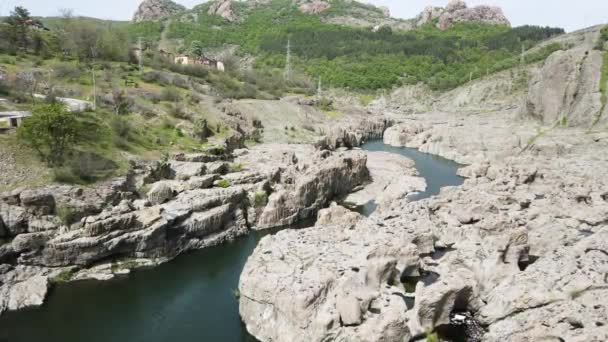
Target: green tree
(51, 130)
(18, 26)
(197, 48)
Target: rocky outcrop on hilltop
(223, 8)
(314, 7)
(160, 210)
(457, 11)
(150, 10)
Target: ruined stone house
(204, 61)
(10, 120)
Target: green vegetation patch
(260, 199)
(224, 183)
(64, 276)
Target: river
(188, 299)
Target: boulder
(160, 193)
(30, 241)
(186, 170)
(38, 202)
(28, 293)
(401, 134)
(336, 214)
(14, 218)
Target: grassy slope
(111, 140)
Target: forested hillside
(342, 56)
(358, 58)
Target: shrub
(325, 104)
(121, 126)
(432, 336)
(223, 183)
(67, 71)
(67, 215)
(177, 111)
(260, 199)
(51, 131)
(170, 94)
(236, 167)
(63, 277)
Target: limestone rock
(429, 14)
(480, 14)
(160, 193)
(150, 10)
(38, 202)
(314, 7)
(336, 214)
(567, 86)
(314, 189)
(401, 135)
(187, 170)
(223, 8)
(14, 218)
(458, 11)
(28, 293)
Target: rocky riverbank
(159, 210)
(519, 249)
(519, 252)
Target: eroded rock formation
(223, 8)
(567, 88)
(160, 210)
(457, 11)
(150, 10)
(314, 6)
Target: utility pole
(319, 89)
(94, 55)
(94, 89)
(141, 56)
(522, 60)
(288, 61)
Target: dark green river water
(188, 299)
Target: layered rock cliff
(161, 210)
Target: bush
(325, 104)
(63, 277)
(121, 126)
(177, 111)
(67, 215)
(84, 168)
(223, 183)
(260, 199)
(51, 131)
(236, 167)
(67, 71)
(170, 94)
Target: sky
(571, 15)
